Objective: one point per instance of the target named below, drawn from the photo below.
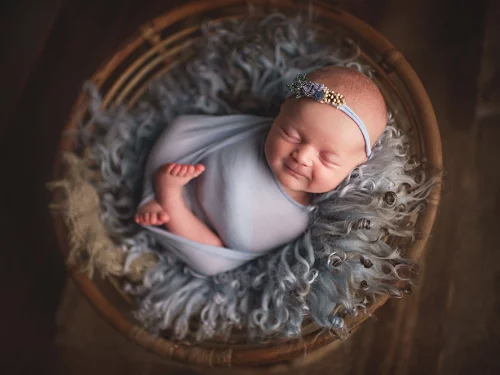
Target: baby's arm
(170, 205)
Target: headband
(302, 87)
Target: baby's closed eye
(329, 160)
(290, 136)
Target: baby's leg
(169, 181)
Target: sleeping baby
(220, 191)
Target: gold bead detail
(333, 98)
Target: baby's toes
(138, 218)
(175, 170)
(184, 169)
(162, 218)
(146, 218)
(170, 167)
(198, 169)
(141, 218)
(153, 219)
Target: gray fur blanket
(341, 264)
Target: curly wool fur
(242, 67)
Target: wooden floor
(450, 325)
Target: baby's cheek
(278, 149)
(327, 180)
(268, 148)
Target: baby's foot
(172, 177)
(151, 213)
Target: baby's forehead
(342, 142)
(324, 125)
(353, 85)
(360, 93)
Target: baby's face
(312, 147)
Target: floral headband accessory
(302, 87)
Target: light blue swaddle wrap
(237, 195)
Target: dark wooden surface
(449, 325)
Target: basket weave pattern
(154, 52)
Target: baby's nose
(303, 155)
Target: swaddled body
(259, 175)
(237, 196)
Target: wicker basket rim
(392, 61)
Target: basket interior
(164, 43)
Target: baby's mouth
(293, 171)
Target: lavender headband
(302, 87)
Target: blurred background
(449, 325)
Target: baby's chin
(299, 187)
(291, 183)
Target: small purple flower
(318, 95)
(311, 88)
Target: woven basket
(154, 51)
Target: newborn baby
(222, 190)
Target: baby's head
(313, 146)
